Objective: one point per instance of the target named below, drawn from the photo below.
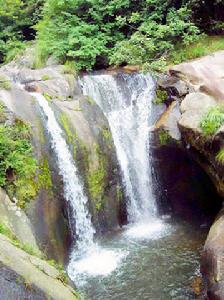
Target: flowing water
(161, 267)
(85, 249)
(126, 101)
(81, 226)
(150, 258)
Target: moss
(119, 194)
(2, 113)
(5, 230)
(96, 180)
(106, 133)
(90, 100)
(45, 77)
(44, 175)
(34, 252)
(161, 96)
(5, 83)
(48, 97)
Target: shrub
(164, 137)
(212, 120)
(17, 164)
(161, 97)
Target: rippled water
(161, 266)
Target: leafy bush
(96, 33)
(16, 20)
(164, 137)
(17, 164)
(212, 120)
(161, 96)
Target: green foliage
(220, 156)
(17, 164)
(204, 46)
(96, 180)
(70, 68)
(48, 97)
(212, 120)
(96, 33)
(99, 32)
(5, 83)
(164, 137)
(45, 77)
(161, 96)
(16, 20)
(44, 175)
(24, 246)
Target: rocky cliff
(195, 93)
(42, 219)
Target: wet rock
(205, 74)
(173, 85)
(169, 121)
(193, 107)
(32, 87)
(16, 220)
(44, 278)
(212, 260)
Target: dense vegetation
(97, 33)
(17, 165)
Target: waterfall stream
(73, 188)
(126, 101)
(149, 258)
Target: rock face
(16, 220)
(196, 87)
(212, 264)
(88, 134)
(23, 276)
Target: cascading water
(126, 101)
(87, 256)
(73, 189)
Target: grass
(220, 156)
(212, 120)
(204, 46)
(34, 252)
(70, 68)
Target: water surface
(162, 265)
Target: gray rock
(35, 272)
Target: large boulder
(204, 78)
(212, 261)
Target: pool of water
(153, 261)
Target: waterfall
(126, 101)
(81, 225)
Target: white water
(73, 188)
(126, 101)
(87, 257)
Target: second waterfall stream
(126, 101)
